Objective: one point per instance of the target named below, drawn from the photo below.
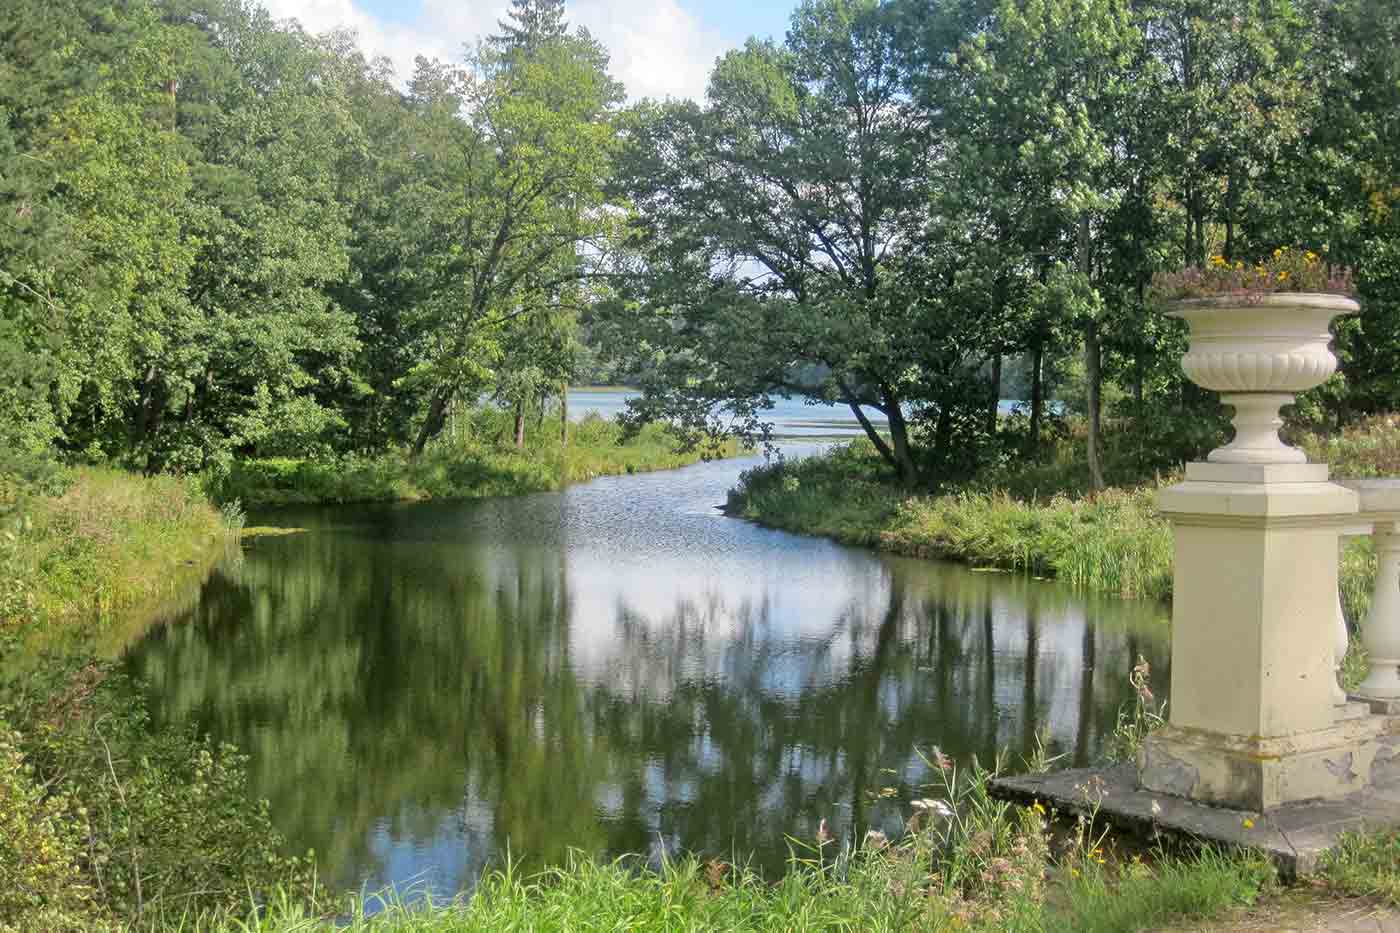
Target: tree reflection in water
(421, 687)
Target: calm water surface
(615, 668)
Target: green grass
(482, 462)
(105, 543)
(986, 866)
(1365, 865)
(1195, 888)
(1113, 542)
(864, 891)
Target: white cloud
(658, 48)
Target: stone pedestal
(1254, 723)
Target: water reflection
(615, 668)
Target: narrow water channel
(615, 668)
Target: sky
(660, 48)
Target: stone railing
(1257, 716)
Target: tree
(526, 205)
(535, 23)
(1053, 75)
(787, 242)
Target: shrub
(164, 818)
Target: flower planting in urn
(1258, 340)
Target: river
(615, 668)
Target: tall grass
(108, 542)
(1113, 542)
(967, 861)
(480, 461)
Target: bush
(482, 460)
(41, 885)
(164, 819)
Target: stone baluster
(1339, 694)
(1381, 631)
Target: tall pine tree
(534, 22)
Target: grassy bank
(1112, 542)
(965, 861)
(90, 543)
(481, 461)
(105, 823)
(1033, 519)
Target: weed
(1137, 719)
(1364, 864)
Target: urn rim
(1181, 308)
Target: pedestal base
(1250, 773)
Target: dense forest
(225, 238)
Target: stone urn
(1258, 351)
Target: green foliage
(1112, 542)
(41, 882)
(482, 461)
(125, 821)
(1363, 864)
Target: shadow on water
(615, 668)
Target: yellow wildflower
(1278, 252)
(1217, 260)
(1283, 276)
(1247, 823)
(1310, 256)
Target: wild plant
(986, 856)
(1137, 719)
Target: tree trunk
(943, 435)
(520, 423)
(899, 438)
(994, 403)
(435, 419)
(1037, 395)
(146, 406)
(564, 414)
(1092, 359)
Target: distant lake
(791, 418)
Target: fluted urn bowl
(1258, 351)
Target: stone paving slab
(1293, 835)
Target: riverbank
(483, 462)
(1035, 519)
(105, 821)
(89, 543)
(966, 861)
